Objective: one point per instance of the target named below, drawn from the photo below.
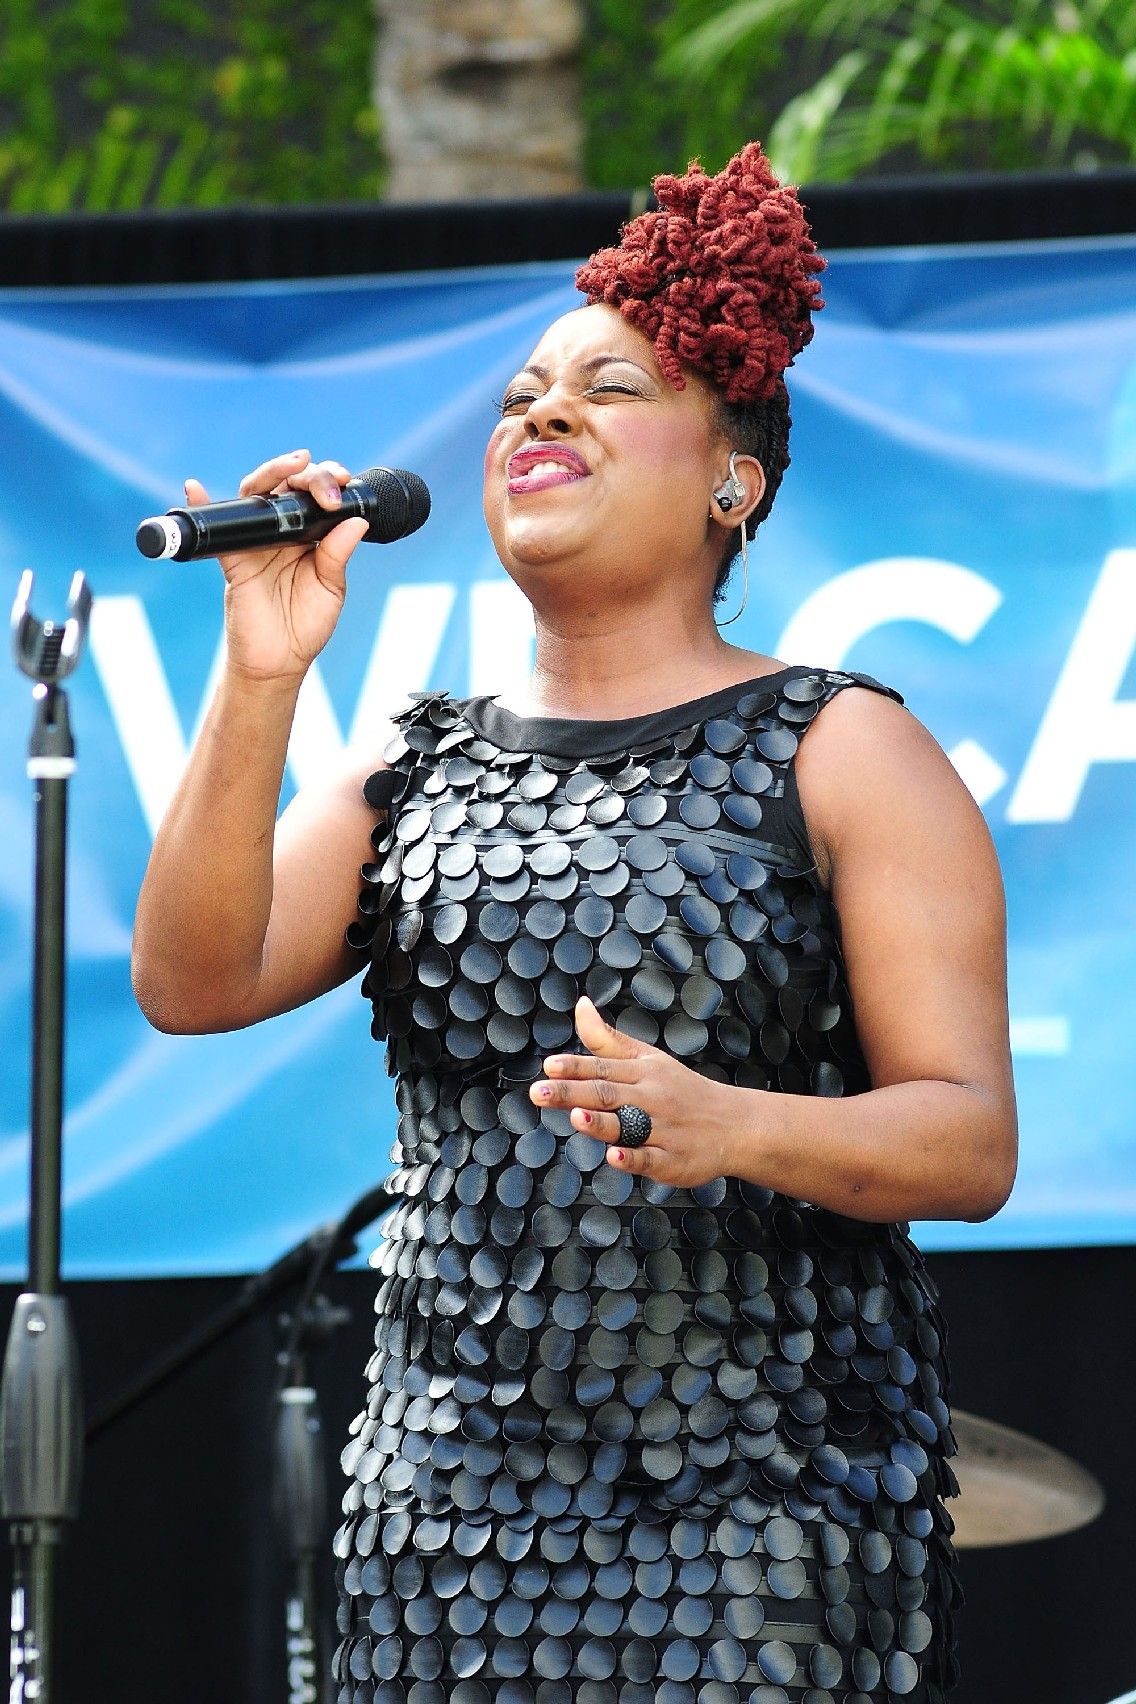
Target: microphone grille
(150, 538)
(402, 503)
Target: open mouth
(534, 472)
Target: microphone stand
(299, 1476)
(300, 1481)
(300, 1499)
(40, 1402)
(327, 1246)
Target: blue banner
(959, 520)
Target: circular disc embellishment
(498, 921)
(594, 916)
(545, 919)
(645, 913)
(646, 852)
(550, 858)
(699, 810)
(598, 853)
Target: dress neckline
(575, 736)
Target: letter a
(1085, 722)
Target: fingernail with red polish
(619, 1155)
(587, 1118)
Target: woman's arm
(239, 918)
(912, 871)
(916, 884)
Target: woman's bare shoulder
(870, 771)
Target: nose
(550, 415)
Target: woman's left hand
(692, 1135)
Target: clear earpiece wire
(745, 582)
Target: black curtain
(207, 246)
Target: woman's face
(599, 465)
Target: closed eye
(514, 399)
(522, 399)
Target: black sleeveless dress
(627, 1443)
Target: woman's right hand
(282, 604)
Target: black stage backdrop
(172, 1584)
(204, 246)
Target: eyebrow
(588, 366)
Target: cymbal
(1013, 1488)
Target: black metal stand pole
(301, 1513)
(40, 1412)
(41, 1428)
(300, 1499)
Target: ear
(752, 475)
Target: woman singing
(690, 967)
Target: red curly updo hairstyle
(722, 280)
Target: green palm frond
(929, 73)
(176, 186)
(703, 50)
(941, 96)
(797, 138)
(1109, 22)
(1117, 112)
(136, 184)
(901, 68)
(757, 25)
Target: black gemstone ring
(634, 1125)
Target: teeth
(545, 467)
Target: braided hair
(721, 279)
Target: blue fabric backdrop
(960, 520)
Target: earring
(733, 491)
(745, 582)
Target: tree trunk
(479, 99)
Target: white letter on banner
(404, 653)
(406, 644)
(134, 682)
(942, 594)
(1085, 722)
(500, 637)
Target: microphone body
(393, 502)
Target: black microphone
(394, 501)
